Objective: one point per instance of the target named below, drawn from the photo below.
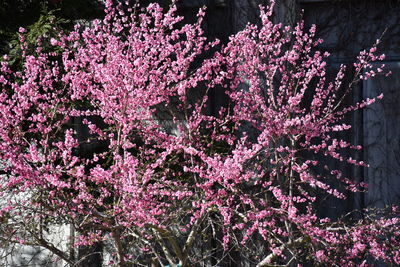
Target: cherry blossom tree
(109, 132)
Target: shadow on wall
(27, 256)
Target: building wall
(348, 27)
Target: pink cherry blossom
(113, 135)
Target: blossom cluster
(84, 141)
